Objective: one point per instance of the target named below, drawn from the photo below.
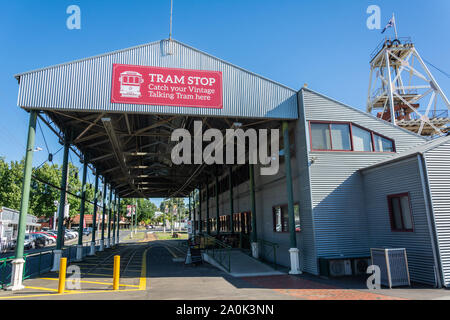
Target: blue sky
(324, 43)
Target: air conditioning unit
(393, 265)
(360, 266)
(340, 268)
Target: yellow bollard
(62, 275)
(116, 275)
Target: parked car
(87, 231)
(50, 239)
(40, 240)
(69, 234)
(52, 233)
(29, 242)
(74, 232)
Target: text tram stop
(118, 113)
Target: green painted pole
(132, 223)
(94, 218)
(230, 183)
(287, 158)
(217, 207)
(200, 221)
(190, 213)
(104, 210)
(254, 236)
(114, 217)
(136, 218)
(26, 185)
(83, 202)
(194, 205)
(110, 205)
(118, 220)
(208, 224)
(62, 199)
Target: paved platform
(151, 269)
(243, 265)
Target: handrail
(274, 247)
(3, 263)
(220, 251)
(263, 243)
(42, 265)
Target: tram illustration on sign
(130, 84)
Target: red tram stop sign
(166, 86)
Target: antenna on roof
(171, 11)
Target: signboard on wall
(166, 86)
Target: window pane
(278, 219)
(383, 144)
(297, 217)
(340, 136)
(362, 140)
(285, 213)
(407, 220)
(320, 136)
(396, 213)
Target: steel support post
(114, 220)
(390, 89)
(254, 235)
(294, 252)
(194, 231)
(208, 224)
(94, 217)
(82, 208)
(217, 207)
(102, 241)
(190, 215)
(136, 217)
(57, 254)
(18, 262)
(132, 225)
(230, 184)
(200, 221)
(110, 205)
(118, 222)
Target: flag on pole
(390, 24)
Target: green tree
(42, 194)
(11, 176)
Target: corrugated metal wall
(337, 190)
(86, 85)
(394, 178)
(269, 192)
(307, 244)
(438, 170)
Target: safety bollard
(116, 275)
(62, 275)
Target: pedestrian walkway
(243, 265)
(152, 269)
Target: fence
(216, 249)
(40, 262)
(267, 249)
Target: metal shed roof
(85, 85)
(420, 149)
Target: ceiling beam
(88, 127)
(117, 149)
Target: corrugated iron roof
(85, 85)
(420, 149)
